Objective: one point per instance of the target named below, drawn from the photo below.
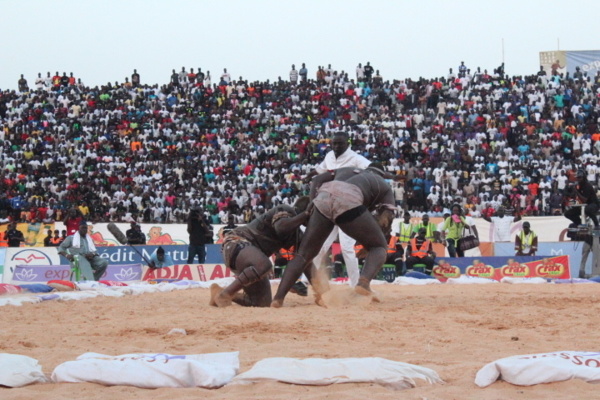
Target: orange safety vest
(419, 252)
(392, 245)
(358, 248)
(3, 239)
(55, 240)
(288, 254)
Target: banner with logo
(179, 253)
(500, 267)
(24, 274)
(194, 272)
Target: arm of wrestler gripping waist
(318, 180)
(283, 226)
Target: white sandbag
(89, 285)
(378, 282)
(78, 295)
(513, 280)
(466, 280)
(317, 371)
(151, 370)
(18, 300)
(407, 280)
(532, 369)
(17, 370)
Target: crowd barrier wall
(121, 258)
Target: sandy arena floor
(453, 329)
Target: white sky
(104, 40)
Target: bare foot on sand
(277, 303)
(319, 300)
(364, 289)
(217, 297)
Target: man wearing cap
(81, 245)
(585, 193)
(135, 234)
(159, 259)
(526, 242)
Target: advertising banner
(588, 61)
(24, 274)
(194, 272)
(499, 267)
(562, 61)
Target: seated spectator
(420, 252)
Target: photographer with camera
(584, 193)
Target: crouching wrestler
(247, 250)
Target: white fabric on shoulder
(17, 370)
(77, 242)
(532, 369)
(318, 371)
(151, 370)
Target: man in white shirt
(501, 225)
(341, 156)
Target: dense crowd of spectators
(151, 153)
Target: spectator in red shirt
(72, 221)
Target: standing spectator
(303, 73)
(175, 79)
(23, 87)
(199, 232)
(294, 75)
(454, 226)
(405, 229)
(135, 79)
(225, 76)
(135, 234)
(502, 225)
(200, 77)
(526, 242)
(48, 239)
(14, 236)
(72, 221)
(431, 232)
(341, 156)
(462, 70)
(360, 73)
(81, 244)
(368, 71)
